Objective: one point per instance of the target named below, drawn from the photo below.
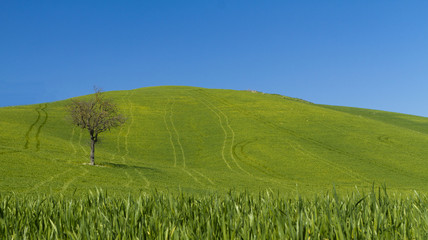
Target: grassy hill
(202, 140)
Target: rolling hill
(201, 140)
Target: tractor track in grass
(170, 134)
(67, 184)
(118, 150)
(232, 140)
(28, 139)
(80, 142)
(128, 183)
(301, 149)
(203, 176)
(27, 134)
(39, 129)
(147, 186)
(271, 175)
(124, 156)
(294, 134)
(238, 151)
(131, 113)
(330, 164)
(172, 130)
(224, 124)
(174, 135)
(71, 141)
(177, 137)
(385, 139)
(193, 177)
(119, 133)
(224, 132)
(38, 185)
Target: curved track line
(224, 131)
(118, 137)
(232, 143)
(286, 185)
(129, 127)
(67, 184)
(41, 126)
(238, 149)
(279, 180)
(271, 175)
(46, 181)
(120, 132)
(217, 111)
(145, 179)
(202, 175)
(71, 141)
(292, 133)
(302, 150)
(27, 135)
(170, 134)
(80, 142)
(342, 169)
(124, 102)
(177, 136)
(123, 157)
(191, 175)
(129, 178)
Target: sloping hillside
(198, 140)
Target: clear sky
(360, 53)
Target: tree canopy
(97, 115)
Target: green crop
(208, 140)
(235, 215)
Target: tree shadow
(124, 166)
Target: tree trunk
(92, 151)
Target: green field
(235, 215)
(201, 141)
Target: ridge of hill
(198, 140)
(411, 122)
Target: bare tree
(97, 115)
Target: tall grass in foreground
(375, 215)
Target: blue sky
(370, 54)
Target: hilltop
(202, 140)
